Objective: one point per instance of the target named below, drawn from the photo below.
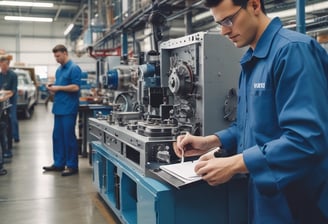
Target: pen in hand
(182, 156)
(182, 152)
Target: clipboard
(183, 171)
(179, 175)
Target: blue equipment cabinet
(137, 199)
(86, 111)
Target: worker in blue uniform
(4, 120)
(66, 90)
(8, 82)
(280, 137)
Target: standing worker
(280, 137)
(8, 82)
(66, 90)
(4, 120)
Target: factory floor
(30, 196)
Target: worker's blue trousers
(65, 147)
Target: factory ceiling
(76, 11)
(62, 9)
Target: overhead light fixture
(29, 19)
(27, 4)
(292, 12)
(68, 29)
(281, 14)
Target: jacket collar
(264, 44)
(67, 63)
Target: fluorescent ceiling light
(281, 14)
(26, 4)
(292, 12)
(30, 19)
(68, 29)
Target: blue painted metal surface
(112, 82)
(137, 199)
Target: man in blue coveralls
(66, 90)
(280, 137)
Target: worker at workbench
(280, 137)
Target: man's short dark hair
(242, 3)
(60, 48)
(5, 57)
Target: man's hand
(5, 95)
(51, 88)
(191, 145)
(195, 145)
(219, 170)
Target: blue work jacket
(9, 82)
(282, 127)
(66, 103)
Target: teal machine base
(136, 199)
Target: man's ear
(255, 5)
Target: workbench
(87, 110)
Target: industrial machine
(201, 71)
(190, 86)
(194, 91)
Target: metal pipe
(89, 32)
(18, 42)
(188, 18)
(124, 44)
(300, 16)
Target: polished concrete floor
(30, 196)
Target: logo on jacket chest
(259, 85)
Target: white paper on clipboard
(183, 171)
